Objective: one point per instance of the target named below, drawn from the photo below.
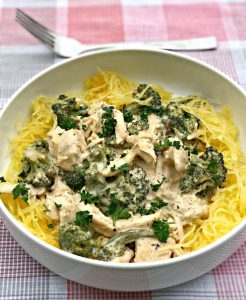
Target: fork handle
(203, 43)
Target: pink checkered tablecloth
(21, 57)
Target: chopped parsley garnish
(113, 168)
(176, 144)
(154, 206)
(158, 110)
(68, 123)
(80, 171)
(124, 167)
(117, 210)
(217, 177)
(2, 179)
(145, 113)
(195, 150)
(212, 165)
(46, 209)
(83, 218)
(89, 198)
(58, 205)
(155, 187)
(50, 226)
(128, 117)
(109, 123)
(161, 230)
(84, 127)
(62, 97)
(20, 190)
(123, 154)
(163, 144)
(167, 143)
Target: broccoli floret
(99, 155)
(154, 105)
(116, 246)
(144, 92)
(74, 179)
(66, 111)
(131, 187)
(180, 120)
(76, 237)
(136, 126)
(77, 240)
(102, 153)
(204, 173)
(38, 169)
(89, 174)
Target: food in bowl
(126, 172)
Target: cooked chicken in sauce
(122, 183)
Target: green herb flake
(217, 177)
(113, 168)
(116, 210)
(80, 171)
(20, 190)
(161, 230)
(58, 206)
(62, 97)
(154, 206)
(2, 179)
(128, 117)
(195, 150)
(46, 209)
(124, 167)
(163, 144)
(50, 226)
(123, 154)
(212, 164)
(83, 218)
(68, 123)
(176, 144)
(89, 198)
(109, 123)
(84, 127)
(145, 113)
(155, 187)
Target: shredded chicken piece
(93, 125)
(188, 207)
(104, 225)
(150, 249)
(67, 148)
(62, 195)
(179, 158)
(145, 149)
(120, 129)
(125, 258)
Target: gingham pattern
(22, 56)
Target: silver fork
(68, 47)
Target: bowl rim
(122, 266)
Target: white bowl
(176, 73)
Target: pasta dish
(126, 172)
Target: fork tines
(42, 33)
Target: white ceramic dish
(176, 73)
